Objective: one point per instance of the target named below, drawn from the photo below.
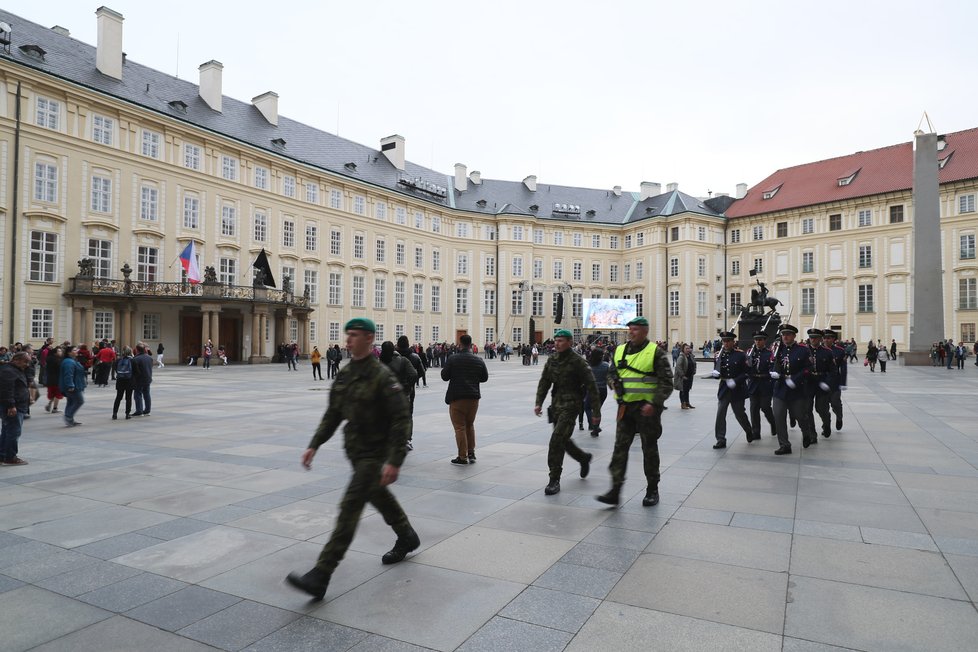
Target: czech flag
(189, 261)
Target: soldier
(824, 379)
(571, 378)
(813, 380)
(731, 368)
(642, 379)
(791, 366)
(760, 363)
(840, 377)
(367, 395)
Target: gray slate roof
(74, 61)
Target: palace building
(104, 159)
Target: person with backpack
(406, 374)
(123, 383)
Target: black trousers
(720, 428)
(782, 408)
(761, 404)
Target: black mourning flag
(261, 263)
(559, 315)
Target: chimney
(476, 177)
(210, 83)
(741, 190)
(461, 180)
(672, 187)
(267, 104)
(617, 191)
(108, 56)
(58, 29)
(650, 189)
(393, 149)
(531, 183)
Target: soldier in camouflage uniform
(368, 397)
(570, 377)
(642, 379)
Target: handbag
(866, 362)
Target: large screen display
(605, 314)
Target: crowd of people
(946, 353)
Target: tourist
(464, 372)
(74, 379)
(15, 401)
(123, 383)
(142, 378)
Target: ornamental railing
(164, 289)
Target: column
(216, 329)
(75, 323)
(304, 347)
(205, 329)
(125, 328)
(255, 329)
(262, 340)
(85, 334)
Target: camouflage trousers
(649, 429)
(364, 487)
(561, 442)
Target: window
(42, 323)
(294, 329)
(673, 303)
(461, 301)
(536, 303)
(288, 186)
(229, 168)
(538, 236)
(808, 225)
(968, 246)
(673, 266)
(577, 304)
(312, 192)
(639, 305)
(517, 232)
(613, 242)
(260, 227)
(380, 293)
(517, 302)
(288, 272)
(735, 236)
(191, 212)
(228, 270)
(380, 211)
(966, 204)
(674, 234)
(866, 298)
(808, 301)
(595, 272)
(435, 298)
(335, 294)
(151, 326)
(578, 271)
(103, 129)
(807, 262)
(577, 239)
(101, 194)
(735, 267)
(100, 251)
(418, 334)
(418, 304)
(191, 156)
(418, 220)
(435, 224)
(613, 272)
(261, 177)
(701, 305)
(865, 256)
(288, 233)
(48, 113)
(865, 218)
(229, 219)
(835, 222)
(595, 241)
(640, 239)
(313, 334)
(358, 246)
(517, 334)
(759, 265)
(967, 294)
(517, 266)
(149, 203)
(896, 214)
(558, 270)
(151, 144)
(435, 333)
(628, 241)
(312, 237)
(334, 331)
(45, 182)
(399, 254)
(968, 332)
(758, 233)
(44, 256)
(380, 250)
(358, 291)
(335, 240)
(418, 257)
(537, 268)
(782, 229)
(701, 266)
(490, 266)
(336, 199)
(639, 270)
(462, 265)
(559, 238)
(490, 335)
(399, 293)
(628, 272)
(147, 264)
(435, 260)
(359, 205)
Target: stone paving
(175, 531)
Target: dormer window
(942, 162)
(279, 142)
(768, 194)
(33, 51)
(846, 179)
(351, 166)
(178, 105)
(481, 203)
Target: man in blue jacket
(74, 380)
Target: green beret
(563, 332)
(360, 324)
(638, 321)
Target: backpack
(123, 368)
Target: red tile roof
(878, 171)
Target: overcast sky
(703, 93)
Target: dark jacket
(142, 370)
(464, 371)
(13, 388)
(414, 359)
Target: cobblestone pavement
(175, 531)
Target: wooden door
(190, 344)
(230, 332)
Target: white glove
(731, 383)
(790, 383)
(823, 386)
(715, 373)
(843, 387)
(775, 375)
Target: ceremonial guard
(841, 375)
(731, 368)
(792, 362)
(760, 362)
(821, 382)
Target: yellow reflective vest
(638, 381)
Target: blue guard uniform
(822, 381)
(841, 358)
(760, 363)
(792, 363)
(731, 369)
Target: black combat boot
(314, 582)
(586, 465)
(553, 487)
(613, 497)
(651, 497)
(784, 450)
(404, 544)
